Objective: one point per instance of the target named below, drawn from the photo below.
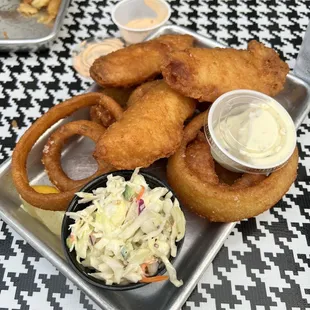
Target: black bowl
(100, 181)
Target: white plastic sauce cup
(128, 10)
(233, 103)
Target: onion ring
(112, 107)
(52, 153)
(102, 116)
(248, 196)
(120, 95)
(106, 115)
(98, 114)
(59, 201)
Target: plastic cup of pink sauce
(136, 19)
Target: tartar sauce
(260, 134)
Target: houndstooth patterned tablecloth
(265, 262)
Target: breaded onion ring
(191, 174)
(102, 116)
(59, 201)
(107, 116)
(112, 107)
(52, 153)
(120, 95)
(98, 114)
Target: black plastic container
(100, 181)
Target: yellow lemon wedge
(45, 189)
(51, 219)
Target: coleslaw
(127, 231)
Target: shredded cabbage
(127, 231)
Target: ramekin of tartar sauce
(250, 132)
(136, 19)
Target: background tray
(25, 33)
(203, 239)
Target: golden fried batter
(102, 116)
(32, 7)
(98, 114)
(140, 91)
(200, 161)
(136, 63)
(120, 95)
(190, 174)
(205, 74)
(151, 128)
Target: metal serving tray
(202, 241)
(25, 33)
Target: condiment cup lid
(249, 131)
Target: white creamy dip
(259, 134)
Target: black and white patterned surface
(265, 262)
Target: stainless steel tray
(25, 33)
(203, 239)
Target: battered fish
(151, 128)
(205, 74)
(136, 63)
(139, 92)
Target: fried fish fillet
(151, 128)
(139, 92)
(205, 74)
(136, 63)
